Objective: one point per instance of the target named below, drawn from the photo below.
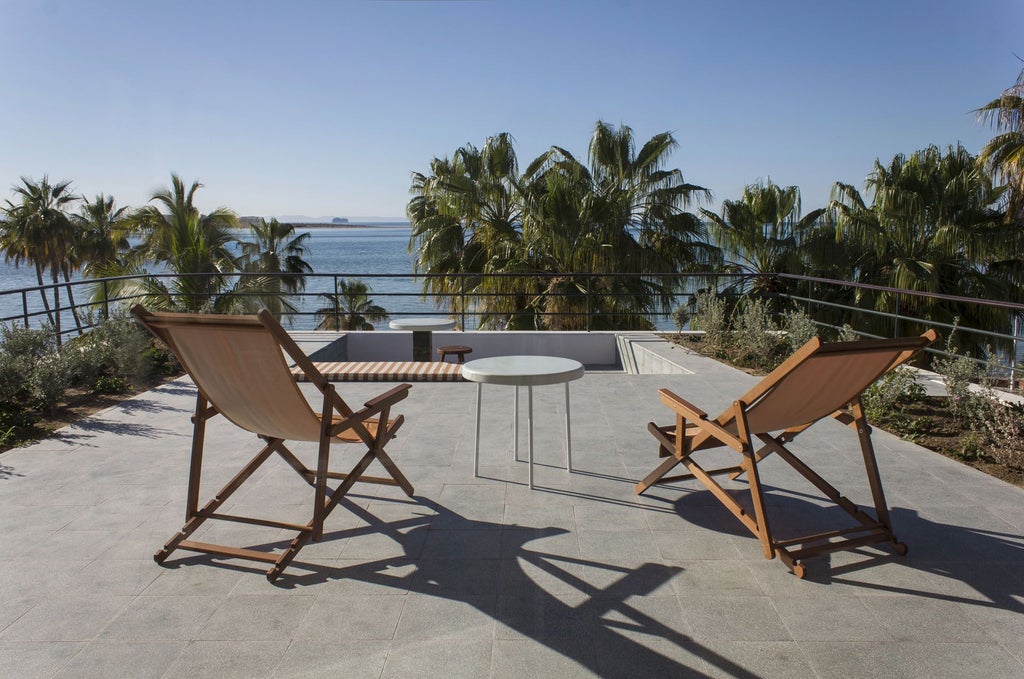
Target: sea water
(350, 252)
(354, 252)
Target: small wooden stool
(459, 350)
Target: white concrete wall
(648, 354)
(589, 348)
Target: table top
(522, 370)
(422, 324)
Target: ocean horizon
(350, 251)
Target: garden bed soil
(77, 405)
(927, 422)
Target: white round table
(528, 371)
(422, 348)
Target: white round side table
(518, 371)
(422, 348)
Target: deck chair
(238, 365)
(818, 381)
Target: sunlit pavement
(482, 577)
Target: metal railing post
(24, 307)
(462, 301)
(896, 319)
(106, 301)
(589, 311)
(56, 313)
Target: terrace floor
(485, 578)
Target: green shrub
(49, 381)
(26, 343)
(1003, 424)
(972, 445)
(116, 348)
(958, 373)
(712, 317)
(886, 400)
(847, 334)
(681, 316)
(756, 337)
(111, 384)
(21, 349)
(800, 329)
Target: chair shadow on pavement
(988, 562)
(596, 633)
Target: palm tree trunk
(56, 306)
(42, 293)
(71, 301)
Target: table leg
(476, 447)
(529, 419)
(515, 424)
(422, 345)
(568, 437)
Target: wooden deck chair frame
(819, 380)
(239, 368)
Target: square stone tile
(329, 660)
(104, 658)
(831, 617)
(513, 659)
(229, 659)
(256, 618)
(346, 618)
(454, 659)
(161, 618)
(734, 618)
(925, 619)
(36, 659)
(443, 620)
(761, 659)
(66, 618)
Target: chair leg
(874, 477)
(764, 533)
(395, 472)
(651, 479)
(322, 463)
(200, 516)
(195, 469)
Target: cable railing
(830, 303)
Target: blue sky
(325, 108)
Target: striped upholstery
(385, 371)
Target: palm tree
(623, 213)
(38, 231)
(275, 249)
(184, 241)
(102, 240)
(931, 226)
(763, 233)
(574, 227)
(102, 234)
(1003, 155)
(466, 220)
(349, 308)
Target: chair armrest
(376, 405)
(698, 417)
(681, 405)
(389, 397)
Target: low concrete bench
(386, 371)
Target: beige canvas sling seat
(385, 371)
(818, 381)
(241, 372)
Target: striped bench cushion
(386, 371)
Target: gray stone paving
(484, 578)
